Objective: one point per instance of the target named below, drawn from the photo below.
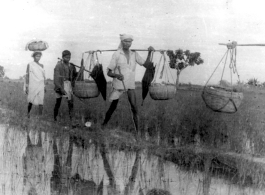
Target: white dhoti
(115, 94)
(36, 84)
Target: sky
(83, 25)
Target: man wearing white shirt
(124, 60)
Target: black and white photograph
(132, 97)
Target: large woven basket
(159, 91)
(86, 89)
(222, 100)
(37, 46)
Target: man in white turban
(124, 37)
(124, 60)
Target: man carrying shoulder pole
(64, 77)
(122, 69)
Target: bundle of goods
(37, 45)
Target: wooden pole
(131, 49)
(242, 44)
(77, 66)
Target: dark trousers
(30, 106)
(58, 104)
(133, 104)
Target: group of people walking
(121, 68)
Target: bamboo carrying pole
(77, 66)
(117, 49)
(243, 44)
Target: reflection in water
(33, 166)
(64, 183)
(158, 192)
(39, 164)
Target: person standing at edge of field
(35, 83)
(64, 77)
(126, 60)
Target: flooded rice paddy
(35, 163)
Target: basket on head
(160, 91)
(220, 99)
(86, 89)
(37, 46)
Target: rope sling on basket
(164, 90)
(220, 98)
(85, 86)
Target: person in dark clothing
(64, 79)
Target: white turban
(125, 36)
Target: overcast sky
(83, 25)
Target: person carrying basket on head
(122, 70)
(64, 76)
(35, 83)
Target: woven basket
(222, 100)
(37, 46)
(84, 89)
(159, 91)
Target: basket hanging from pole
(164, 90)
(224, 99)
(85, 87)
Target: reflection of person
(33, 167)
(125, 60)
(35, 83)
(64, 77)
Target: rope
(216, 68)
(162, 71)
(170, 72)
(79, 73)
(157, 69)
(233, 69)
(174, 80)
(235, 65)
(224, 67)
(92, 62)
(97, 57)
(165, 69)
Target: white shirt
(127, 69)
